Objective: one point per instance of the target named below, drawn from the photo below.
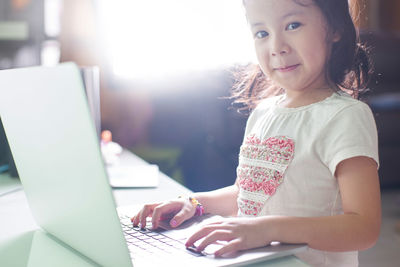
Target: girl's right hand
(177, 211)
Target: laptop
(57, 153)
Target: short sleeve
(351, 132)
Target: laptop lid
(56, 149)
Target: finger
(215, 223)
(221, 235)
(183, 215)
(146, 211)
(199, 235)
(162, 211)
(232, 246)
(135, 220)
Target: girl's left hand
(240, 234)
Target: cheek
(315, 49)
(262, 57)
(317, 57)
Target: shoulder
(343, 105)
(346, 118)
(348, 132)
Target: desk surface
(22, 243)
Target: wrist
(270, 228)
(199, 208)
(288, 229)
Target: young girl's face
(291, 42)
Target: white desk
(23, 244)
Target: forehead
(262, 10)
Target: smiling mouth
(288, 68)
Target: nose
(279, 46)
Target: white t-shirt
(289, 156)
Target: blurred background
(160, 72)
(165, 68)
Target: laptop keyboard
(142, 241)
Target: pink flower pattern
(280, 149)
(251, 207)
(262, 180)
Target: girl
(308, 164)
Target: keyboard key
(144, 243)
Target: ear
(336, 36)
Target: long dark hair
(349, 66)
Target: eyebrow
(283, 17)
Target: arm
(356, 229)
(221, 201)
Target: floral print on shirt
(262, 164)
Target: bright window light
(148, 38)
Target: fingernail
(173, 223)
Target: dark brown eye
(293, 26)
(261, 34)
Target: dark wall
(204, 126)
(384, 99)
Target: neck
(294, 99)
